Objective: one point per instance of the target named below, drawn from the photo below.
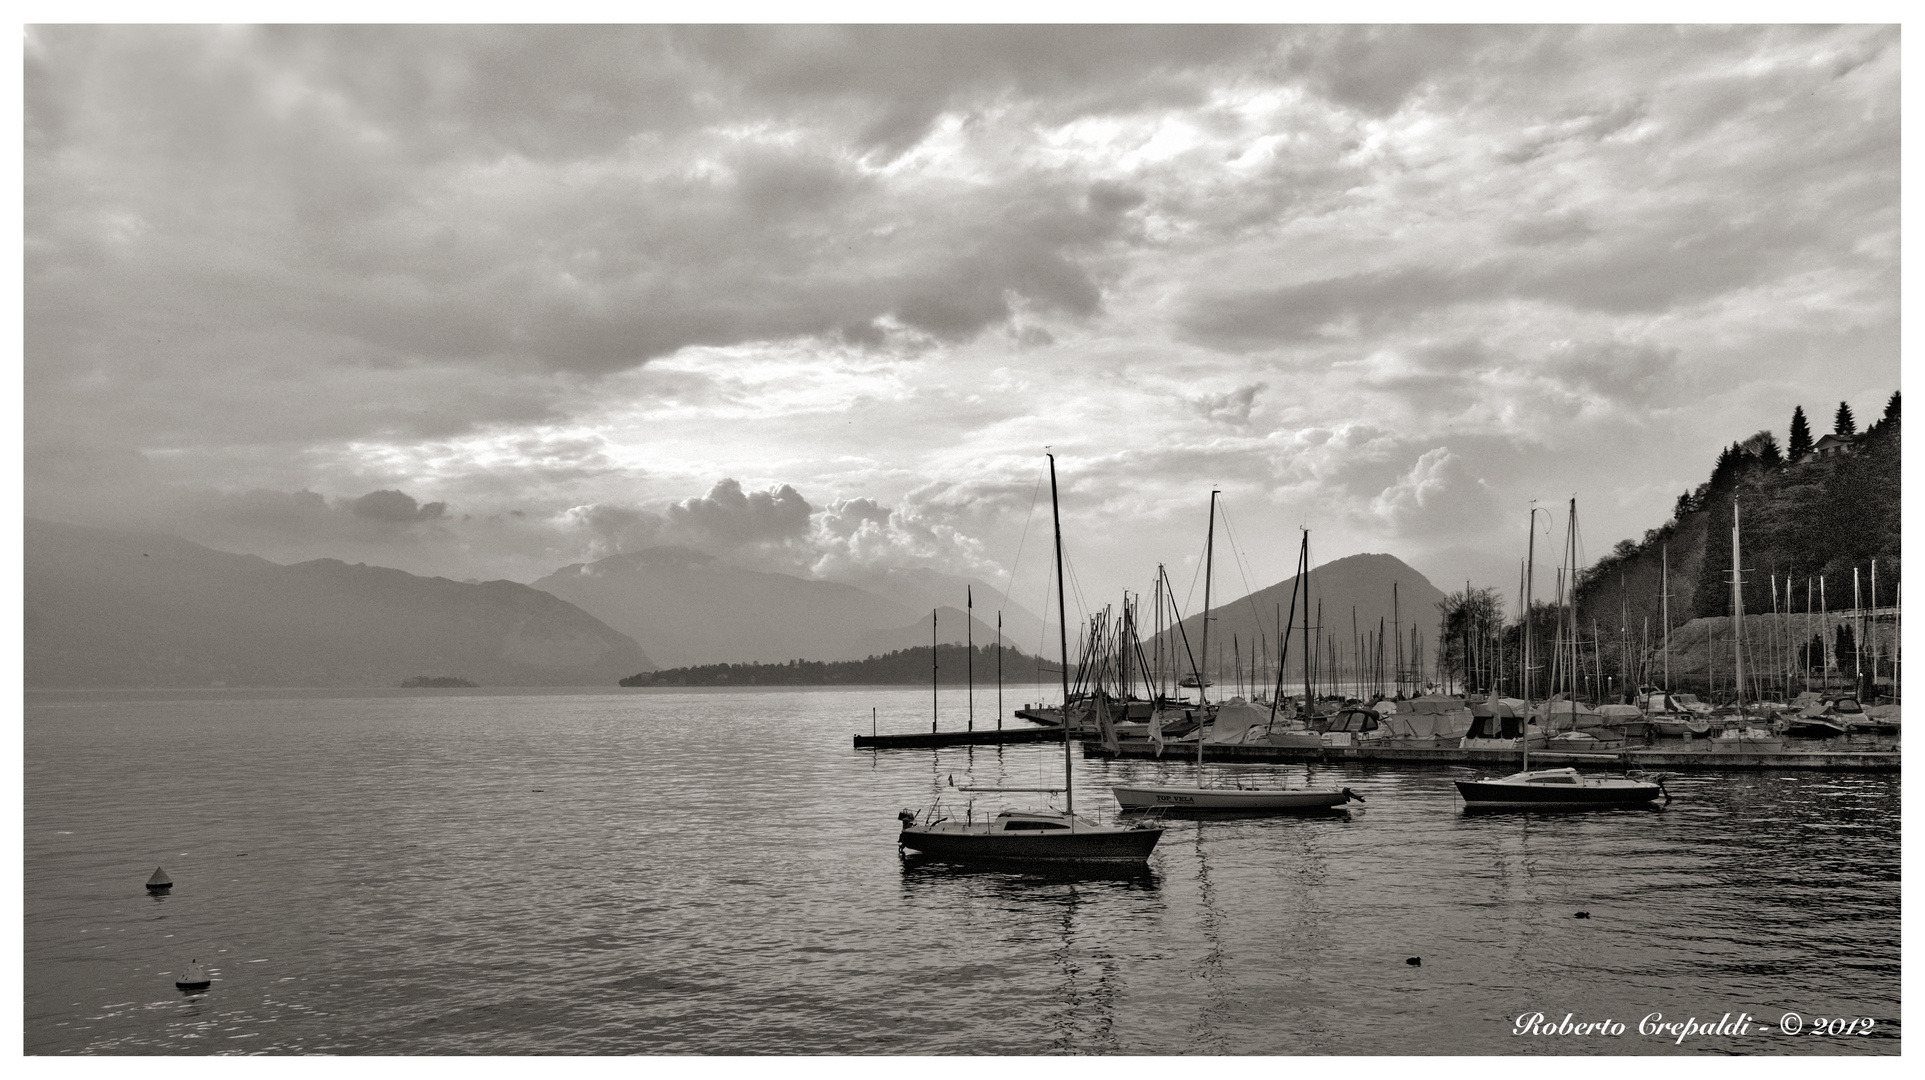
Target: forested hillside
(1802, 515)
(1810, 513)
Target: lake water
(689, 872)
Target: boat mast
(1303, 575)
(933, 710)
(1062, 633)
(1664, 605)
(999, 669)
(1203, 678)
(1396, 633)
(1737, 615)
(1209, 552)
(1530, 566)
(969, 643)
(1570, 585)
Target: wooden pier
(1652, 758)
(978, 737)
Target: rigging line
(1242, 564)
(1010, 575)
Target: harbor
(1679, 758)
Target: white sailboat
(1028, 836)
(1554, 787)
(1199, 796)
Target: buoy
(160, 882)
(195, 977)
(1415, 961)
(1582, 915)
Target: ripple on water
(677, 873)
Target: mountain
(923, 589)
(107, 608)
(687, 608)
(950, 630)
(1360, 581)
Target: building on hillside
(1834, 444)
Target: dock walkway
(1675, 759)
(978, 737)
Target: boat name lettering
(1656, 1024)
(1536, 1024)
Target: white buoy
(160, 882)
(195, 978)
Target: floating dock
(978, 737)
(1655, 758)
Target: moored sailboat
(1563, 787)
(1199, 796)
(1025, 836)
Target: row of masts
(1115, 661)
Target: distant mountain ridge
(108, 608)
(686, 608)
(1360, 582)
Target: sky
(484, 302)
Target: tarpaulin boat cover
(1430, 715)
(1235, 718)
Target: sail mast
(1737, 615)
(1530, 566)
(1203, 678)
(1062, 633)
(1209, 554)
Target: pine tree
(1891, 407)
(1842, 423)
(1800, 434)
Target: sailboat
(1554, 787)
(1027, 836)
(1197, 796)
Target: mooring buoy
(195, 978)
(160, 882)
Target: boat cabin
(1030, 821)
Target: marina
(1679, 758)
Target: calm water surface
(676, 872)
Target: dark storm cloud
(1646, 273)
(395, 507)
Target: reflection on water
(700, 872)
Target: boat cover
(1429, 716)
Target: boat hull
(1203, 798)
(964, 843)
(1499, 793)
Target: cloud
(1439, 497)
(394, 507)
(554, 279)
(1230, 407)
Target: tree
(1842, 423)
(1801, 433)
(1763, 447)
(1891, 408)
(1466, 624)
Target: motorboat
(1560, 787)
(1027, 836)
